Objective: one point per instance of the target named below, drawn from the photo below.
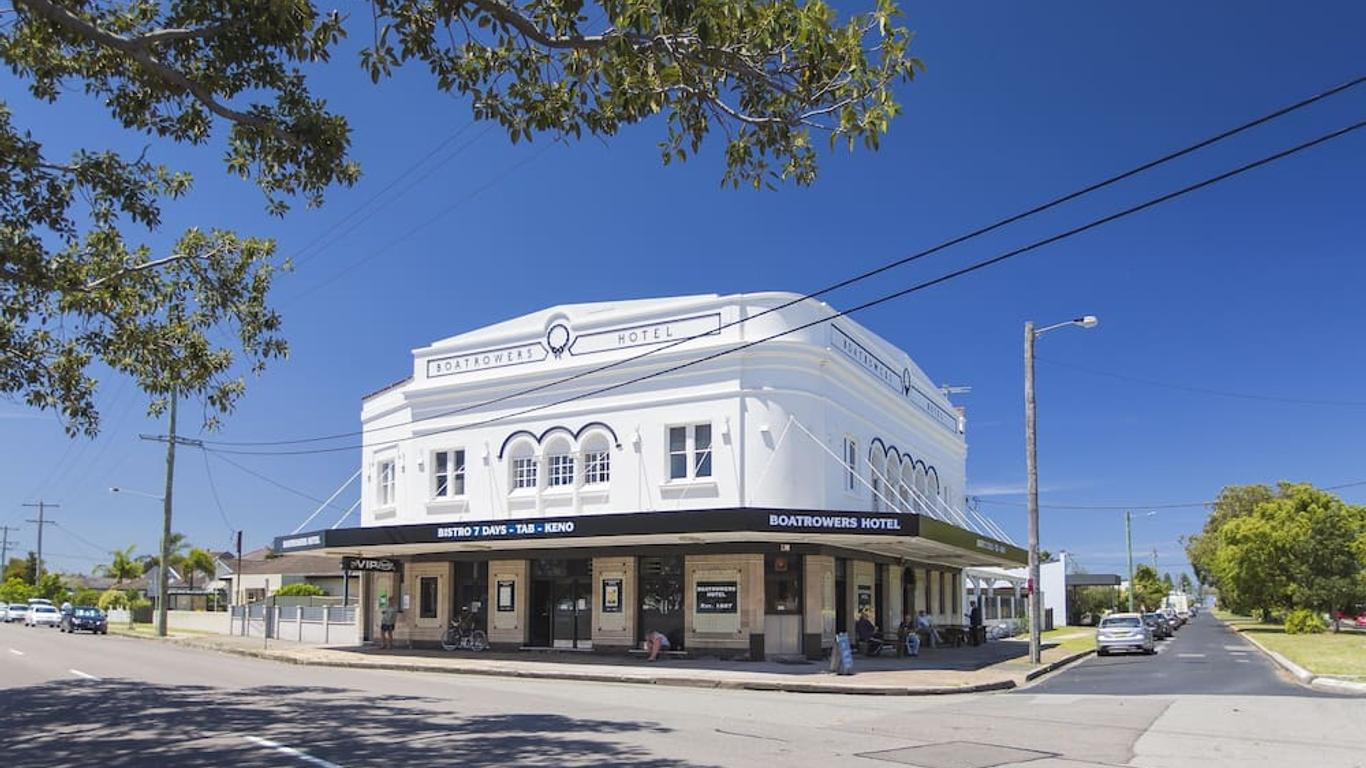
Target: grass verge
(1339, 654)
(1071, 638)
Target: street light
(163, 572)
(1032, 472)
(1129, 543)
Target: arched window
(559, 463)
(522, 466)
(907, 477)
(597, 459)
(920, 487)
(932, 484)
(877, 477)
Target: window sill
(595, 492)
(689, 487)
(558, 490)
(448, 506)
(385, 513)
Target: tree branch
(149, 265)
(136, 48)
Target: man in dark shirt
(866, 632)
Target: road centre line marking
(1190, 655)
(79, 673)
(16, 652)
(1243, 661)
(292, 752)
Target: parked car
(32, 601)
(44, 615)
(85, 618)
(16, 612)
(4, 612)
(1158, 624)
(1173, 618)
(1124, 632)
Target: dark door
(841, 595)
(661, 598)
(542, 611)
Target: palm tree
(199, 560)
(123, 566)
(178, 545)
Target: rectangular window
(524, 472)
(690, 452)
(597, 467)
(426, 597)
(850, 464)
(448, 474)
(384, 483)
(702, 450)
(561, 470)
(678, 453)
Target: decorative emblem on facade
(907, 384)
(557, 339)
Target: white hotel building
(750, 503)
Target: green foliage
(51, 587)
(1233, 501)
(112, 599)
(1148, 588)
(300, 589)
(198, 561)
(86, 596)
(1303, 621)
(1295, 547)
(24, 569)
(1183, 584)
(15, 590)
(123, 566)
(81, 285)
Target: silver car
(1124, 632)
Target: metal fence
(326, 624)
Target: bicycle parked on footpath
(462, 636)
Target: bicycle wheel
(479, 641)
(450, 640)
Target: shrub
(86, 597)
(1304, 622)
(300, 589)
(112, 599)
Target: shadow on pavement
(119, 722)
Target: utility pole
(1032, 480)
(42, 507)
(4, 543)
(1129, 544)
(1154, 559)
(163, 572)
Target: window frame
(560, 471)
(422, 607)
(850, 464)
(386, 482)
(694, 458)
(453, 473)
(597, 466)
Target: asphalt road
(123, 701)
(1204, 657)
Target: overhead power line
(1053, 203)
(259, 476)
(1205, 390)
(1140, 507)
(974, 267)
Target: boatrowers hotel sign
(560, 340)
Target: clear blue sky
(1253, 286)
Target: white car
(4, 612)
(43, 614)
(16, 612)
(1124, 632)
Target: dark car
(85, 618)
(1162, 629)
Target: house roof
(257, 562)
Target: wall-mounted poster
(611, 595)
(865, 597)
(507, 595)
(717, 597)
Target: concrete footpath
(997, 666)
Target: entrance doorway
(561, 604)
(782, 605)
(472, 592)
(661, 598)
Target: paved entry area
(957, 754)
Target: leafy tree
(1250, 566)
(199, 561)
(1183, 584)
(15, 590)
(25, 569)
(300, 589)
(112, 599)
(51, 587)
(123, 566)
(178, 544)
(1167, 583)
(1233, 501)
(1147, 588)
(85, 596)
(1325, 571)
(79, 287)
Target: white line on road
(292, 752)
(16, 652)
(1243, 661)
(79, 673)
(1190, 655)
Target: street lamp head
(115, 489)
(1087, 321)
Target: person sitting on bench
(868, 638)
(656, 642)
